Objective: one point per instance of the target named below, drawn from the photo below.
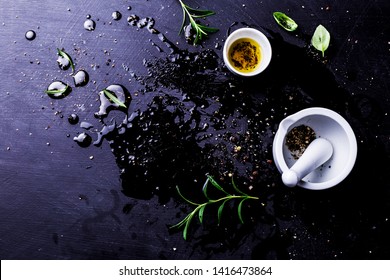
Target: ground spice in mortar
(298, 139)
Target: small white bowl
(326, 124)
(260, 38)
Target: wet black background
(60, 201)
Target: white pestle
(317, 153)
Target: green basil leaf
(321, 39)
(285, 21)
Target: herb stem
(200, 207)
(200, 29)
(230, 197)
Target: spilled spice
(298, 139)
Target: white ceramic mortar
(326, 124)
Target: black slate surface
(62, 201)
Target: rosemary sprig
(111, 96)
(192, 14)
(200, 207)
(67, 57)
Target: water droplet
(128, 8)
(30, 35)
(133, 19)
(63, 63)
(89, 25)
(86, 125)
(62, 88)
(83, 139)
(73, 118)
(116, 15)
(120, 92)
(88, 16)
(81, 78)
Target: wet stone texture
(201, 119)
